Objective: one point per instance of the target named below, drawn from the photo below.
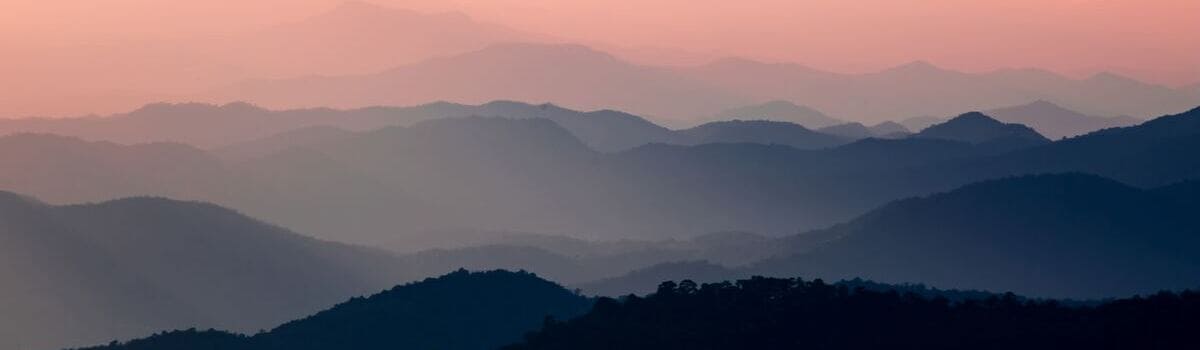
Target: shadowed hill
(87, 273)
(977, 128)
(461, 310)
(1070, 235)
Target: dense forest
(772, 313)
(460, 310)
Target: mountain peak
(974, 117)
(979, 128)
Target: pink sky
(1153, 40)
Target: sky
(1153, 40)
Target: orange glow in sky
(1156, 40)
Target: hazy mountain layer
(84, 274)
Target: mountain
(1056, 122)
(108, 76)
(461, 310)
(533, 175)
(920, 88)
(1065, 236)
(377, 37)
(890, 129)
(858, 131)
(89, 273)
(581, 77)
(567, 75)
(782, 111)
(852, 131)
(68, 170)
(243, 125)
(266, 146)
(977, 128)
(758, 131)
(1151, 154)
(768, 313)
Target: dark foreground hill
(765, 313)
(83, 274)
(461, 310)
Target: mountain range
(582, 77)
(1056, 122)
(82, 274)
(533, 175)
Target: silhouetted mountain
(573, 261)
(889, 130)
(765, 313)
(1056, 122)
(84, 274)
(782, 111)
(979, 129)
(1151, 154)
(757, 131)
(1071, 235)
(461, 310)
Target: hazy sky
(1156, 40)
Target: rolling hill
(461, 310)
(1065, 236)
(89, 273)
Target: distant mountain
(533, 175)
(85, 274)
(1073, 235)
(770, 313)
(920, 88)
(852, 131)
(1056, 122)
(890, 130)
(378, 37)
(260, 131)
(977, 128)
(568, 75)
(782, 111)
(461, 310)
(112, 76)
(589, 79)
(858, 131)
(758, 131)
